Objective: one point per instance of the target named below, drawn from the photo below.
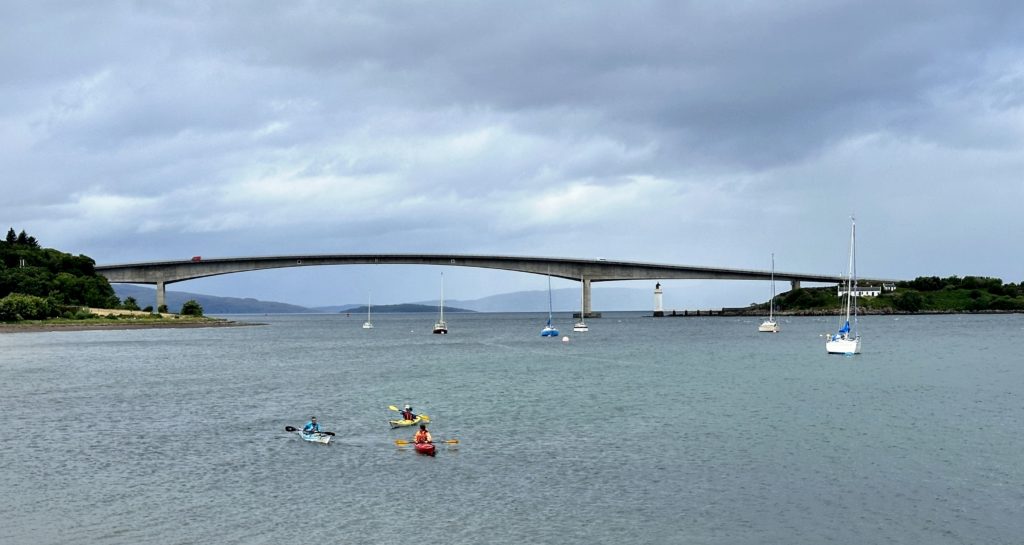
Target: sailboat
(581, 326)
(368, 324)
(549, 330)
(847, 341)
(770, 325)
(441, 327)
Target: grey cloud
(465, 114)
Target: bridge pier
(794, 284)
(586, 299)
(161, 296)
(587, 311)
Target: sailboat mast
(442, 297)
(771, 304)
(583, 300)
(853, 264)
(849, 269)
(549, 298)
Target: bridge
(586, 271)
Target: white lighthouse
(658, 309)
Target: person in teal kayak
(311, 426)
(407, 413)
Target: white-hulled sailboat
(549, 330)
(441, 327)
(368, 324)
(847, 339)
(770, 325)
(581, 326)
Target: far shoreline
(118, 326)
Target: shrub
(17, 306)
(909, 301)
(1005, 303)
(191, 308)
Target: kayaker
(423, 436)
(407, 413)
(311, 426)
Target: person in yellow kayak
(423, 436)
(407, 413)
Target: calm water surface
(675, 430)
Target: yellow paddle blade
(403, 443)
(425, 418)
(393, 408)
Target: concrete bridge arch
(587, 271)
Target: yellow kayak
(403, 423)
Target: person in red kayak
(423, 436)
(407, 413)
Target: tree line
(38, 283)
(923, 294)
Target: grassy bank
(99, 318)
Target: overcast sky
(698, 133)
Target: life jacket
(408, 414)
(422, 436)
(311, 427)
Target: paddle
(404, 443)
(291, 428)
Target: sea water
(642, 430)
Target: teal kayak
(315, 437)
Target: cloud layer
(693, 133)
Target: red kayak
(425, 448)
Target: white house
(861, 291)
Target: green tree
(11, 236)
(926, 283)
(191, 308)
(130, 304)
(162, 309)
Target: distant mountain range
(211, 304)
(563, 300)
(404, 307)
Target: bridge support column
(161, 296)
(586, 299)
(587, 311)
(794, 284)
